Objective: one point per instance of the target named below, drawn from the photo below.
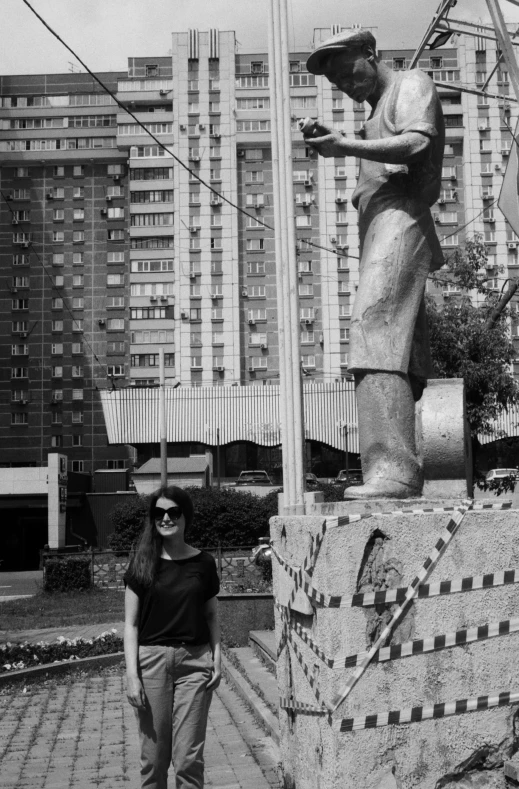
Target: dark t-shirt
(172, 609)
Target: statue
(401, 154)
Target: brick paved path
(80, 732)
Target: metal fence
(235, 564)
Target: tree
(472, 341)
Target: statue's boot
(390, 466)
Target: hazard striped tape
(425, 570)
(307, 671)
(434, 643)
(344, 520)
(435, 711)
(418, 646)
(299, 706)
(469, 584)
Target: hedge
(67, 573)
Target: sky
(104, 33)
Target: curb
(250, 697)
(63, 667)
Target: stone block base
(378, 553)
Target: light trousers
(173, 724)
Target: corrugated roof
(175, 466)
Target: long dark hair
(149, 548)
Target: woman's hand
(135, 692)
(215, 678)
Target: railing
(235, 564)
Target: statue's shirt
(410, 104)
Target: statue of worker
(401, 153)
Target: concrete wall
(146, 484)
(23, 480)
(382, 552)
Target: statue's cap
(347, 39)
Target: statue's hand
(330, 144)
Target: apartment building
(112, 246)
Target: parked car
(351, 476)
(254, 478)
(311, 480)
(500, 473)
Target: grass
(58, 609)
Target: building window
(57, 303)
(77, 417)
(308, 361)
(57, 371)
(77, 394)
(306, 290)
(195, 314)
(78, 303)
(118, 235)
(19, 350)
(256, 267)
(78, 170)
(78, 280)
(19, 418)
(58, 236)
(58, 171)
(57, 348)
(19, 372)
(255, 176)
(115, 324)
(20, 304)
(77, 324)
(116, 302)
(307, 336)
(56, 441)
(255, 245)
(77, 347)
(196, 362)
(79, 214)
(57, 418)
(114, 169)
(78, 236)
(77, 465)
(77, 440)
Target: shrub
(128, 520)
(222, 517)
(20, 656)
(67, 573)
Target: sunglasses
(173, 513)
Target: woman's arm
(211, 615)
(134, 689)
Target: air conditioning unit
(194, 158)
(437, 219)
(454, 178)
(488, 196)
(10, 197)
(201, 126)
(308, 321)
(219, 368)
(15, 222)
(441, 201)
(101, 322)
(333, 240)
(490, 218)
(215, 296)
(342, 247)
(252, 322)
(252, 369)
(23, 401)
(505, 151)
(26, 244)
(163, 298)
(117, 177)
(512, 245)
(340, 199)
(241, 153)
(483, 127)
(192, 275)
(216, 135)
(183, 127)
(50, 196)
(153, 298)
(193, 228)
(23, 335)
(54, 400)
(308, 182)
(163, 92)
(216, 201)
(497, 168)
(244, 292)
(14, 290)
(108, 198)
(263, 346)
(104, 212)
(184, 314)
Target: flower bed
(14, 657)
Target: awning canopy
(241, 413)
(246, 413)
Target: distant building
(111, 248)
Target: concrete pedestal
(384, 552)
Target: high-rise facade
(111, 246)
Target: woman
(171, 642)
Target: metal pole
(162, 421)
(286, 274)
(347, 459)
(218, 455)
